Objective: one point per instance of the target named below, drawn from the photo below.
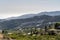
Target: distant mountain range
(53, 13)
(30, 20)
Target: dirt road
(1, 36)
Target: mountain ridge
(53, 13)
(40, 20)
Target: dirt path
(1, 36)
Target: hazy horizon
(11, 8)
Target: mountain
(22, 17)
(53, 13)
(28, 22)
(33, 20)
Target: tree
(57, 25)
(46, 29)
(4, 32)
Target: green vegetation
(49, 33)
(36, 37)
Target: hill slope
(38, 20)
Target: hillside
(37, 20)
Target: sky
(10, 8)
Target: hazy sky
(10, 8)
